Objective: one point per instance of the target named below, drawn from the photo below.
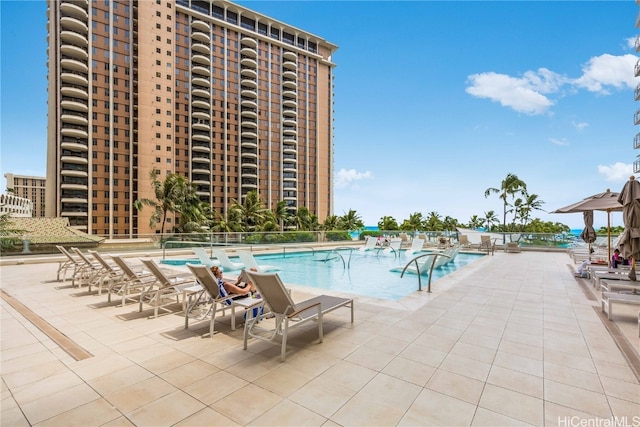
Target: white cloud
(630, 43)
(529, 94)
(579, 125)
(524, 95)
(349, 177)
(561, 142)
(616, 172)
(608, 70)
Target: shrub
(338, 235)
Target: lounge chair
(91, 271)
(463, 241)
(165, 287)
(210, 294)
(609, 298)
(249, 262)
(132, 282)
(394, 246)
(416, 246)
(620, 285)
(369, 244)
(78, 265)
(487, 244)
(224, 260)
(512, 247)
(204, 257)
(286, 312)
(111, 272)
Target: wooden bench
(608, 298)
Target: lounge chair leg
(283, 349)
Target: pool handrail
(435, 256)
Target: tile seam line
(64, 342)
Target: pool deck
(512, 339)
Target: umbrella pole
(609, 235)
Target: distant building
(233, 100)
(28, 187)
(15, 206)
(636, 117)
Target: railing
(435, 255)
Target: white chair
(250, 262)
(369, 244)
(203, 257)
(416, 246)
(224, 260)
(166, 288)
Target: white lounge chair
(286, 312)
(416, 246)
(394, 246)
(369, 244)
(204, 257)
(608, 298)
(250, 262)
(166, 287)
(225, 262)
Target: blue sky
(435, 101)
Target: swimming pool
(362, 273)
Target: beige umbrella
(630, 239)
(606, 202)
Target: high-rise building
(231, 99)
(28, 187)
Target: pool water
(362, 273)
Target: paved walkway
(510, 340)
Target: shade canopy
(607, 202)
(588, 234)
(630, 239)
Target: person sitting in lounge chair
(242, 286)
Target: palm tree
(449, 223)
(170, 195)
(414, 223)
(251, 212)
(433, 222)
(331, 223)
(510, 186)
(531, 203)
(474, 222)
(387, 223)
(351, 221)
(490, 219)
(281, 214)
(303, 218)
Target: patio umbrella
(607, 202)
(588, 234)
(630, 240)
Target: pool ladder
(336, 251)
(435, 256)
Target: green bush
(253, 238)
(334, 236)
(372, 233)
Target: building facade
(28, 187)
(231, 99)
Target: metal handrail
(435, 255)
(188, 243)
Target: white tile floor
(510, 340)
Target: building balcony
(290, 132)
(198, 25)
(73, 38)
(636, 118)
(252, 145)
(289, 65)
(73, 132)
(248, 52)
(288, 122)
(249, 42)
(249, 155)
(74, 200)
(79, 173)
(72, 24)
(202, 160)
(250, 183)
(636, 141)
(249, 73)
(290, 56)
(249, 63)
(249, 93)
(201, 48)
(202, 93)
(288, 74)
(636, 69)
(201, 103)
(290, 112)
(77, 186)
(73, 91)
(290, 94)
(74, 213)
(249, 103)
(199, 81)
(74, 119)
(74, 10)
(289, 84)
(68, 64)
(636, 166)
(248, 133)
(75, 159)
(198, 70)
(201, 181)
(201, 60)
(74, 78)
(76, 145)
(200, 148)
(291, 150)
(200, 169)
(200, 115)
(248, 124)
(77, 105)
(202, 37)
(289, 103)
(201, 136)
(248, 83)
(249, 113)
(76, 52)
